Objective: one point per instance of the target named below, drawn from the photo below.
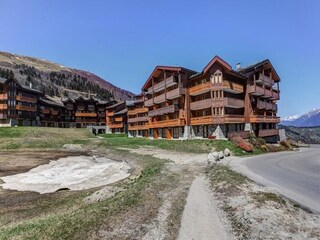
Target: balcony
(118, 119)
(175, 93)
(110, 114)
(255, 90)
(232, 87)
(274, 107)
(3, 116)
(202, 104)
(137, 111)
(83, 114)
(200, 89)
(137, 127)
(3, 106)
(45, 111)
(3, 96)
(171, 81)
(160, 98)
(265, 80)
(217, 119)
(275, 95)
(267, 93)
(138, 119)
(268, 132)
(261, 104)
(164, 110)
(233, 103)
(26, 108)
(54, 112)
(264, 119)
(149, 102)
(268, 106)
(26, 99)
(115, 125)
(166, 123)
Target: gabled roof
(115, 105)
(50, 102)
(250, 67)
(123, 111)
(222, 63)
(168, 68)
(26, 88)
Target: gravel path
(200, 219)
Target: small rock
(213, 157)
(227, 152)
(221, 155)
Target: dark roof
(254, 65)
(49, 102)
(130, 103)
(31, 89)
(123, 111)
(115, 105)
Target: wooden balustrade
(3, 106)
(202, 104)
(165, 110)
(264, 119)
(166, 123)
(118, 119)
(26, 108)
(232, 87)
(137, 111)
(45, 111)
(200, 89)
(137, 127)
(26, 99)
(170, 81)
(3, 96)
(85, 114)
(265, 80)
(233, 103)
(110, 114)
(138, 119)
(115, 125)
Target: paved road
(295, 175)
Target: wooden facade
(218, 101)
(116, 118)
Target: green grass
(192, 146)
(79, 223)
(41, 137)
(109, 135)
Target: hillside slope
(57, 80)
(309, 119)
(303, 134)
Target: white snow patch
(75, 173)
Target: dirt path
(200, 219)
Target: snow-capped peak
(290, 118)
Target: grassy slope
(303, 134)
(40, 137)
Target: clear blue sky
(122, 41)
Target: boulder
(227, 152)
(241, 143)
(213, 157)
(221, 155)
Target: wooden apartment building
(116, 117)
(217, 102)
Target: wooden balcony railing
(3, 96)
(175, 93)
(200, 88)
(26, 108)
(201, 120)
(45, 111)
(137, 127)
(118, 119)
(233, 103)
(255, 90)
(268, 132)
(275, 95)
(54, 112)
(110, 114)
(165, 110)
(232, 87)
(3, 106)
(274, 107)
(268, 106)
(85, 114)
(267, 93)
(149, 102)
(265, 80)
(264, 119)
(3, 116)
(202, 104)
(261, 104)
(170, 81)
(115, 125)
(217, 119)
(166, 123)
(138, 119)
(26, 99)
(160, 99)
(137, 110)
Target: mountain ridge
(59, 80)
(308, 119)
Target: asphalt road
(295, 175)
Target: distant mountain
(57, 80)
(309, 135)
(309, 119)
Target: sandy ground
(74, 173)
(200, 219)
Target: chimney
(238, 66)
